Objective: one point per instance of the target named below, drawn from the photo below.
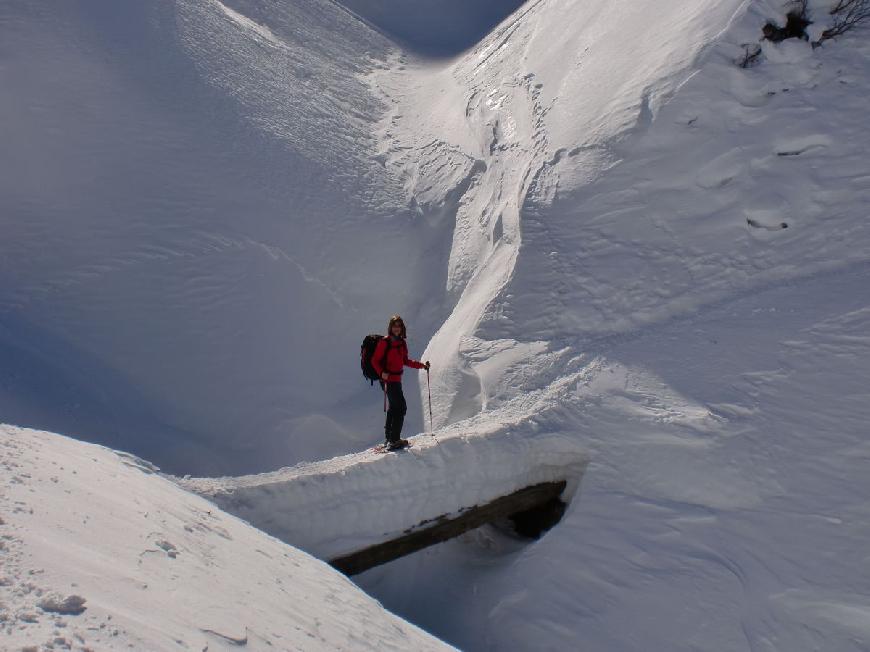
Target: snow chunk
(72, 605)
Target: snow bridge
(366, 509)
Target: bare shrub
(751, 55)
(847, 15)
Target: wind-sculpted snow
(345, 504)
(543, 99)
(291, 83)
(628, 245)
(622, 253)
(97, 552)
(738, 184)
(198, 229)
(725, 503)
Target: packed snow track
(337, 507)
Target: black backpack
(366, 351)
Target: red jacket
(397, 359)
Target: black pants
(396, 411)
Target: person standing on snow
(389, 361)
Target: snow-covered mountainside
(100, 553)
(198, 228)
(725, 505)
(687, 291)
(608, 237)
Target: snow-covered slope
(100, 553)
(627, 212)
(198, 229)
(725, 506)
(536, 107)
(623, 240)
(713, 363)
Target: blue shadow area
(434, 28)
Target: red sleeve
(378, 356)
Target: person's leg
(398, 407)
(388, 423)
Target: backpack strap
(386, 353)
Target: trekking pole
(429, 388)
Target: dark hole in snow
(528, 512)
(532, 523)
(795, 27)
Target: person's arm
(378, 356)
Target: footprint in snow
(758, 225)
(168, 548)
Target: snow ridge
(342, 505)
(99, 552)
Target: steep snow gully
(577, 204)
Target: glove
(426, 365)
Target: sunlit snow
(628, 258)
